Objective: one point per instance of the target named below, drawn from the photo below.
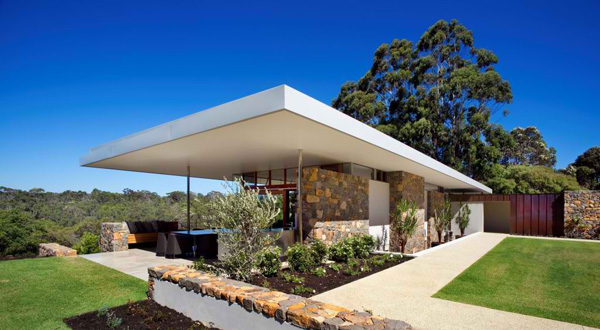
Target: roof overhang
(265, 131)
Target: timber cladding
(530, 214)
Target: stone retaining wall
(56, 250)
(582, 214)
(435, 201)
(284, 310)
(404, 185)
(113, 237)
(334, 205)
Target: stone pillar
(404, 185)
(582, 214)
(113, 237)
(335, 205)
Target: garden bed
(145, 314)
(312, 284)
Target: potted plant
(442, 217)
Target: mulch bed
(320, 284)
(145, 315)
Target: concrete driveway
(404, 292)
(134, 262)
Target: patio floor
(404, 292)
(134, 262)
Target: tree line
(443, 96)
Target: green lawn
(39, 293)
(553, 279)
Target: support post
(188, 201)
(299, 198)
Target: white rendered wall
(379, 210)
(475, 219)
(210, 310)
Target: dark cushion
(140, 227)
(154, 226)
(167, 226)
(131, 226)
(148, 227)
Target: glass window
(291, 176)
(363, 171)
(277, 177)
(262, 178)
(248, 178)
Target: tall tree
(437, 96)
(587, 168)
(529, 148)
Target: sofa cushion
(155, 227)
(148, 228)
(140, 227)
(131, 226)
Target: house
(351, 175)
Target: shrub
(319, 271)
(112, 320)
(18, 233)
(336, 267)
(301, 257)
(362, 245)
(300, 289)
(377, 261)
(291, 278)
(269, 262)
(341, 251)
(246, 215)
(462, 218)
(87, 244)
(319, 250)
(352, 267)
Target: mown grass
(552, 279)
(40, 293)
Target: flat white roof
(264, 131)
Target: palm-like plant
(462, 218)
(442, 218)
(405, 221)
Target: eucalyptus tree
(437, 96)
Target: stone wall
(435, 201)
(113, 237)
(230, 304)
(582, 214)
(404, 185)
(56, 250)
(334, 205)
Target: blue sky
(74, 74)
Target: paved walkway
(134, 262)
(404, 292)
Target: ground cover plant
(142, 315)
(311, 273)
(545, 278)
(39, 293)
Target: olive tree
(405, 221)
(244, 214)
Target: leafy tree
(587, 168)
(405, 221)
(522, 179)
(529, 148)
(462, 218)
(245, 215)
(436, 96)
(18, 233)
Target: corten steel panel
(558, 216)
(535, 206)
(550, 215)
(542, 229)
(513, 214)
(520, 207)
(527, 215)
